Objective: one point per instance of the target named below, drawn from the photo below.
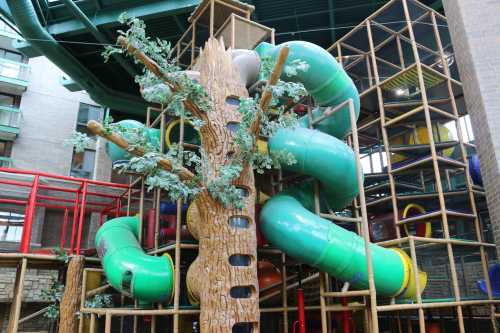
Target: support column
(70, 303)
(475, 29)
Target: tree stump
(224, 276)
(70, 303)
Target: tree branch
(156, 70)
(268, 94)
(97, 129)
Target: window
(82, 165)
(87, 112)
(13, 65)
(13, 56)
(6, 28)
(11, 226)
(5, 148)
(9, 100)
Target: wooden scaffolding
(401, 60)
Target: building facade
(37, 115)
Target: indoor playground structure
(379, 223)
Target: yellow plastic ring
(173, 276)
(420, 209)
(170, 127)
(406, 268)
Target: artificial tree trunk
(70, 303)
(227, 291)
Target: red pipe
(63, 229)
(68, 178)
(82, 218)
(345, 317)
(150, 232)
(301, 322)
(117, 207)
(57, 188)
(73, 226)
(301, 310)
(91, 203)
(13, 201)
(28, 219)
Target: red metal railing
(80, 205)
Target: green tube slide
(287, 220)
(117, 154)
(127, 268)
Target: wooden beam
(15, 308)
(97, 129)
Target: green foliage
(100, 301)
(79, 141)
(222, 189)
(294, 67)
(109, 127)
(61, 254)
(219, 183)
(153, 88)
(53, 295)
(274, 160)
(290, 69)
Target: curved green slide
(287, 220)
(127, 268)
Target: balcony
(5, 162)
(13, 76)
(10, 118)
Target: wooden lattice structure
(386, 56)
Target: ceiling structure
(81, 26)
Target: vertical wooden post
(107, 326)
(92, 323)
(70, 303)
(413, 255)
(15, 308)
(212, 17)
(364, 221)
(437, 174)
(383, 129)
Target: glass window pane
(12, 226)
(14, 56)
(5, 148)
(89, 112)
(6, 100)
(82, 164)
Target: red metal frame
(80, 204)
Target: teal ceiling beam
(181, 25)
(25, 48)
(28, 23)
(107, 17)
(79, 15)
(437, 5)
(331, 17)
(5, 11)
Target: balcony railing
(10, 116)
(7, 31)
(5, 162)
(14, 72)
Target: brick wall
(475, 31)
